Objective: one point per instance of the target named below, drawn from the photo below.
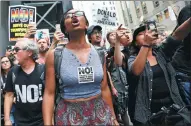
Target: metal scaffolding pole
(46, 21)
(39, 3)
(47, 12)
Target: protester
(156, 86)
(181, 60)
(124, 38)
(83, 94)
(94, 33)
(43, 45)
(118, 76)
(5, 67)
(10, 54)
(24, 80)
(57, 40)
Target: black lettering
(91, 70)
(81, 71)
(114, 14)
(87, 70)
(98, 11)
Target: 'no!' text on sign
(19, 18)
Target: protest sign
(105, 17)
(42, 34)
(19, 18)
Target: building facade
(163, 12)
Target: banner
(19, 18)
(105, 17)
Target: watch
(148, 46)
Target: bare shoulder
(50, 57)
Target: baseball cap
(138, 30)
(92, 27)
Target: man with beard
(43, 45)
(25, 81)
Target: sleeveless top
(80, 80)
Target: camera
(151, 25)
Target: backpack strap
(15, 71)
(57, 64)
(101, 54)
(57, 60)
(41, 70)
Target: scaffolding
(49, 13)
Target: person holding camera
(156, 86)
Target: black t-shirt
(29, 90)
(181, 60)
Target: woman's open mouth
(75, 22)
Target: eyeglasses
(97, 32)
(2, 62)
(16, 49)
(77, 13)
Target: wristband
(147, 46)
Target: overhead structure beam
(39, 3)
(47, 12)
(46, 21)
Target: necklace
(80, 64)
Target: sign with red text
(19, 18)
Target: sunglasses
(4, 62)
(16, 49)
(77, 14)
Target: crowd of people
(143, 78)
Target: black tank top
(161, 94)
(160, 88)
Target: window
(113, 8)
(144, 7)
(113, 2)
(130, 18)
(156, 3)
(109, 2)
(138, 8)
(106, 8)
(103, 3)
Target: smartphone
(34, 25)
(151, 25)
(58, 28)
